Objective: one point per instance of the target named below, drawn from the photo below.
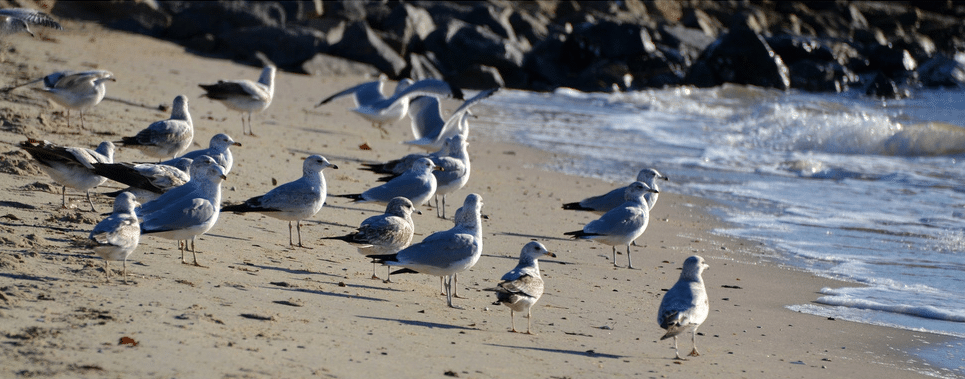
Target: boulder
(362, 44)
(742, 57)
(287, 47)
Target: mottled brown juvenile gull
(621, 225)
(76, 90)
(448, 252)
(166, 138)
(522, 287)
(604, 203)
(293, 201)
(116, 237)
(71, 166)
(383, 234)
(244, 95)
(685, 306)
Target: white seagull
(418, 184)
(76, 90)
(685, 306)
(116, 237)
(621, 225)
(522, 287)
(218, 148)
(71, 166)
(429, 130)
(383, 234)
(293, 201)
(604, 203)
(448, 252)
(166, 138)
(244, 96)
(373, 106)
(147, 181)
(189, 216)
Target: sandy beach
(264, 309)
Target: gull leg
(437, 208)
(183, 247)
(107, 270)
(89, 201)
(529, 321)
(629, 261)
(195, 253)
(614, 256)
(374, 265)
(449, 292)
(124, 272)
(512, 316)
(443, 207)
(68, 118)
(298, 227)
(455, 288)
(290, 243)
(442, 284)
(63, 198)
(694, 352)
(676, 352)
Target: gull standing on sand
(621, 225)
(192, 215)
(453, 172)
(293, 201)
(373, 106)
(116, 237)
(448, 252)
(244, 96)
(17, 20)
(522, 287)
(77, 90)
(147, 181)
(429, 130)
(604, 203)
(166, 138)
(685, 306)
(218, 148)
(418, 184)
(71, 166)
(383, 234)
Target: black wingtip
(404, 271)
(353, 196)
(577, 234)
(382, 258)
(456, 92)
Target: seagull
(417, 184)
(147, 181)
(16, 20)
(453, 172)
(448, 252)
(199, 165)
(383, 234)
(685, 306)
(621, 225)
(116, 237)
(293, 201)
(76, 90)
(244, 95)
(189, 216)
(166, 138)
(522, 287)
(373, 106)
(71, 166)
(603, 203)
(429, 130)
(218, 148)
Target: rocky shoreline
(880, 48)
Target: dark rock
(286, 47)
(496, 20)
(409, 25)
(362, 44)
(821, 76)
(796, 48)
(698, 19)
(327, 65)
(531, 28)
(191, 19)
(742, 57)
(881, 86)
(202, 44)
(607, 39)
(478, 77)
(686, 42)
(890, 60)
(133, 16)
(942, 71)
(459, 45)
(424, 67)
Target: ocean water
(867, 191)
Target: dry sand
(263, 309)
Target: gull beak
(550, 254)
(418, 212)
(334, 167)
(236, 144)
(437, 168)
(665, 177)
(224, 177)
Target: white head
(471, 211)
(316, 163)
(400, 206)
(534, 250)
(650, 176)
(125, 203)
(693, 267)
(637, 190)
(222, 141)
(423, 165)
